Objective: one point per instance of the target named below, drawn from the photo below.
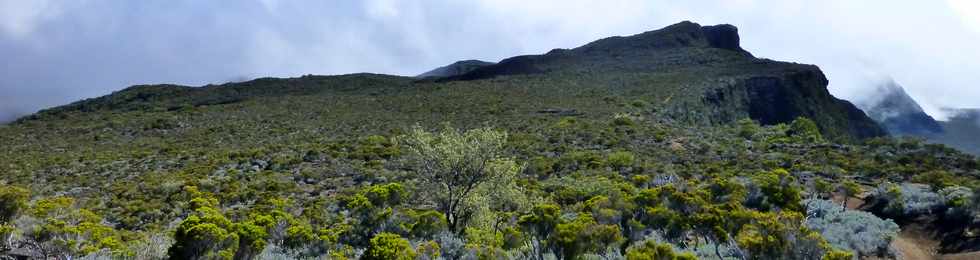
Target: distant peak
(898, 112)
(457, 68)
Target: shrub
(386, 246)
(621, 159)
(425, 223)
(623, 120)
(60, 227)
(936, 179)
(776, 188)
(205, 234)
(907, 200)
(747, 128)
(838, 255)
(13, 199)
(804, 130)
(959, 201)
(583, 235)
(651, 250)
(850, 230)
(450, 246)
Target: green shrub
(621, 159)
(651, 250)
(805, 130)
(386, 246)
(205, 234)
(13, 199)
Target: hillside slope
(696, 74)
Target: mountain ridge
(724, 82)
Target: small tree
(823, 188)
(849, 189)
(452, 164)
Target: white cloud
(19, 18)
(969, 11)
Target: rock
(723, 36)
(560, 112)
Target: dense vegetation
(612, 160)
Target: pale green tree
(455, 165)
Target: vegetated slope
(623, 140)
(696, 74)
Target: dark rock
(785, 96)
(724, 36)
(560, 112)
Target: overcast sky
(56, 52)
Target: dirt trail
(914, 248)
(912, 242)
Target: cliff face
(782, 98)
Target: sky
(58, 51)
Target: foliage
(805, 130)
(13, 199)
(778, 190)
(389, 246)
(64, 230)
(454, 164)
(583, 235)
(849, 230)
(621, 159)
(651, 250)
(207, 233)
(907, 200)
